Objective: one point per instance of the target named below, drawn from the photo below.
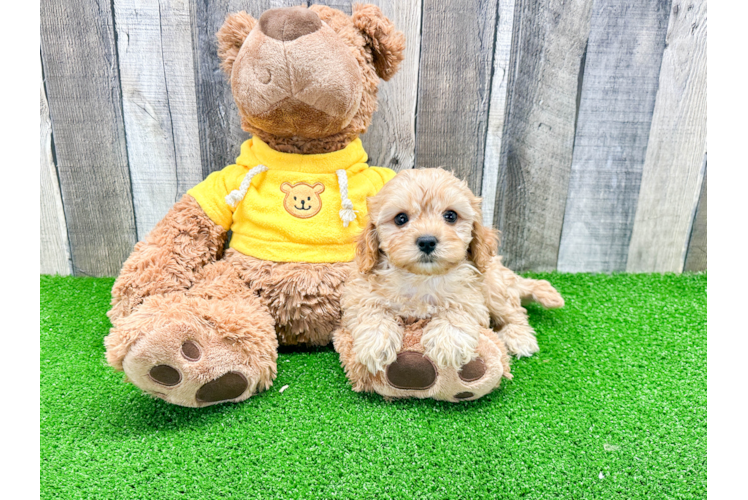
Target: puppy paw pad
(473, 370)
(191, 351)
(411, 371)
(228, 386)
(464, 395)
(165, 375)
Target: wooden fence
(581, 122)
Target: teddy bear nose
(289, 23)
(427, 244)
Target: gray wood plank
(80, 65)
(221, 134)
(55, 248)
(457, 48)
(391, 138)
(672, 176)
(549, 43)
(696, 255)
(154, 42)
(497, 108)
(621, 70)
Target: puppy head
(425, 221)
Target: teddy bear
(195, 323)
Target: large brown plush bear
(195, 325)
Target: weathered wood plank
(55, 248)
(696, 255)
(457, 47)
(548, 47)
(497, 108)
(221, 135)
(391, 138)
(80, 65)
(154, 42)
(672, 174)
(621, 70)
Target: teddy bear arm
(180, 245)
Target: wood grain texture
(221, 134)
(621, 70)
(154, 43)
(54, 245)
(457, 47)
(536, 152)
(497, 108)
(82, 83)
(672, 176)
(696, 254)
(391, 138)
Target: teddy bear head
(305, 79)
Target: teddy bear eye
(308, 198)
(401, 218)
(294, 198)
(450, 216)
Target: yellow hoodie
(285, 207)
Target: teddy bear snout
(289, 23)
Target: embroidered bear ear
(286, 187)
(386, 43)
(318, 188)
(231, 36)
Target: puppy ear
(231, 36)
(367, 249)
(387, 44)
(484, 245)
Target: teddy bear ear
(231, 36)
(386, 43)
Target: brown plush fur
(304, 298)
(177, 288)
(460, 287)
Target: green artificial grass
(614, 405)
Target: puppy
(425, 254)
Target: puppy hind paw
(547, 296)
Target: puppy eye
(450, 216)
(401, 218)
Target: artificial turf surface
(613, 406)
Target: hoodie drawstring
(237, 195)
(347, 214)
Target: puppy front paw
(520, 340)
(376, 348)
(449, 345)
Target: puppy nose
(289, 23)
(427, 244)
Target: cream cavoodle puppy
(425, 254)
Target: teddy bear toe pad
(411, 370)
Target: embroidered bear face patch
(302, 200)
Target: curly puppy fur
(461, 285)
(177, 289)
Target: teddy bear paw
(413, 374)
(186, 361)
